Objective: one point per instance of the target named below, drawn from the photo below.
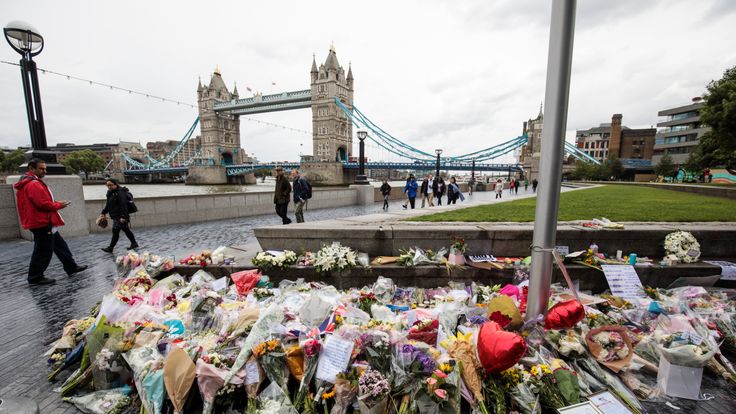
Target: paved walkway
(32, 318)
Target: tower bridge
(216, 155)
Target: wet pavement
(32, 318)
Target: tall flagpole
(559, 63)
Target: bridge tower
(220, 138)
(332, 131)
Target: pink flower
(441, 393)
(431, 381)
(439, 374)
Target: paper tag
(563, 250)
(728, 269)
(623, 281)
(694, 337)
(334, 358)
(252, 373)
(219, 284)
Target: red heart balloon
(497, 349)
(564, 315)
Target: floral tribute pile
(241, 345)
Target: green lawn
(615, 202)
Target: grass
(615, 202)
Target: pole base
(361, 179)
(52, 166)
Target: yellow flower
(272, 344)
(328, 395)
(446, 368)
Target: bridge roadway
(233, 170)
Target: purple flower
(477, 319)
(427, 362)
(408, 349)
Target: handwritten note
(563, 250)
(623, 281)
(219, 284)
(252, 373)
(728, 269)
(334, 358)
(606, 402)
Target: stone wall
(9, 226)
(161, 211)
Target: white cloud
(455, 75)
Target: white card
(728, 269)
(252, 373)
(219, 284)
(623, 281)
(334, 358)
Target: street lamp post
(361, 178)
(438, 151)
(26, 40)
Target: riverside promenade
(32, 318)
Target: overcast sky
(436, 74)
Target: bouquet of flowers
(516, 382)
(682, 246)
(113, 401)
(438, 393)
(262, 293)
(273, 400)
(611, 346)
(202, 259)
(376, 350)
(458, 245)
(272, 357)
(373, 391)
(484, 294)
(544, 382)
(416, 257)
(346, 389)
(133, 288)
(310, 348)
(267, 260)
(566, 342)
(462, 350)
(335, 257)
(424, 331)
(366, 300)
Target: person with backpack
(302, 193)
(39, 213)
(119, 206)
(386, 193)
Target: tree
(10, 162)
(86, 161)
(665, 167)
(718, 146)
(615, 168)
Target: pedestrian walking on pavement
(453, 192)
(439, 189)
(517, 184)
(281, 195)
(512, 184)
(118, 207)
(386, 193)
(408, 180)
(39, 213)
(411, 190)
(426, 190)
(499, 188)
(534, 185)
(471, 184)
(526, 184)
(302, 193)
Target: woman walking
(386, 192)
(453, 192)
(499, 188)
(118, 207)
(411, 191)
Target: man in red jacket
(39, 213)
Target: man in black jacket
(439, 189)
(281, 195)
(301, 188)
(117, 207)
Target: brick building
(616, 140)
